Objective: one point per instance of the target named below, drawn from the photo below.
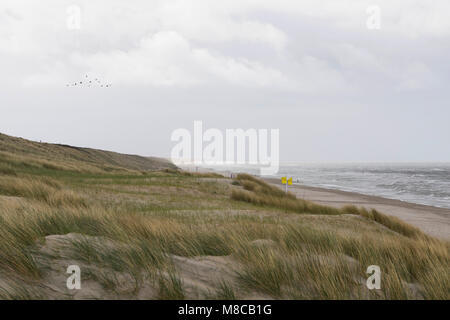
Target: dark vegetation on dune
(105, 160)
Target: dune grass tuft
(171, 287)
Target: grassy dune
(29, 154)
(169, 234)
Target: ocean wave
(413, 183)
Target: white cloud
(167, 58)
(416, 76)
(204, 22)
(239, 43)
(309, 67)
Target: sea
(422, 183)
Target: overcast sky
(336, 89)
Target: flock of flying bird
(89, 82)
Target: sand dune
(432, 220)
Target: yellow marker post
(285, 181)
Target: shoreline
(434, 221)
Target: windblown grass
(390, 222)
(129, 224)
(225, 291)
(195, 174)
(41, 189)
(171, 287)
(264, 194)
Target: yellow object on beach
(283, 180)
(290, 181)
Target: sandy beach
(432, 220)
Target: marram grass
(131, 224)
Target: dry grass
(390, 222)
(128, 224)
(195, 174)
(264, 194)
(41, 189)
(170, 287)
(64, 157)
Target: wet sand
(432, 220)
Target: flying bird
(88, 82)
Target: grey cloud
(336, 90)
